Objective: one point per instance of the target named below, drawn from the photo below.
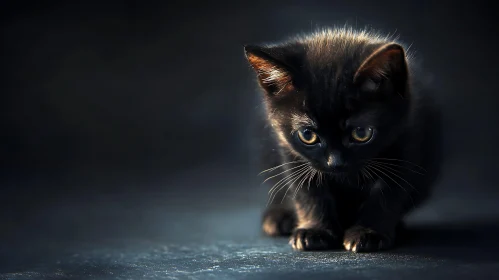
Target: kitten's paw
(278, 221)
(361, 239)
(313, 239)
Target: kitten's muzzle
(334, 160)
(335, 163)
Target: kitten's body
(343, 191)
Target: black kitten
(359, 144)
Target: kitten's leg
(279, 217)
(278, 220)
(317, 226)
(377, 221)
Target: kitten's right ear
(273, 75)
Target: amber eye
(362, 134)
(307, 136)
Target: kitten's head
(334, 98)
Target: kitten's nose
(334, 160)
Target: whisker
(401, 160)
(365, 177)
(380, 164)
(383, 202)
(273, 176)
(300, 183)
(307, 176)
(275, 167)
(311, 178)
(291, 184)
(283, 182)
(410, 196)
(274, 187)
(389, 177)
(287, 177)
(395, 165)
(391, 172)
(373, 171)
(370, 175)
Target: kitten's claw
(361, 239)
(313, 239)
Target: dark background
(128, 118)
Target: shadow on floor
(471, 242)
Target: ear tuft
(272, 75)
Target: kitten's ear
(387, 67)
(274, 75)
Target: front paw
(313, 239)
(362, 239)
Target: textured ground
(157, 235)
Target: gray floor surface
(214, 234)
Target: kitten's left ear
(386, 66)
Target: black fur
(333, 82)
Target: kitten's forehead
(333, 56)
(299, 120)
(336, 45)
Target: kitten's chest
(349, 190)
(348, 199)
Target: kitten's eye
(362, 134)
(307, 136)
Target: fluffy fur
(339, 191)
